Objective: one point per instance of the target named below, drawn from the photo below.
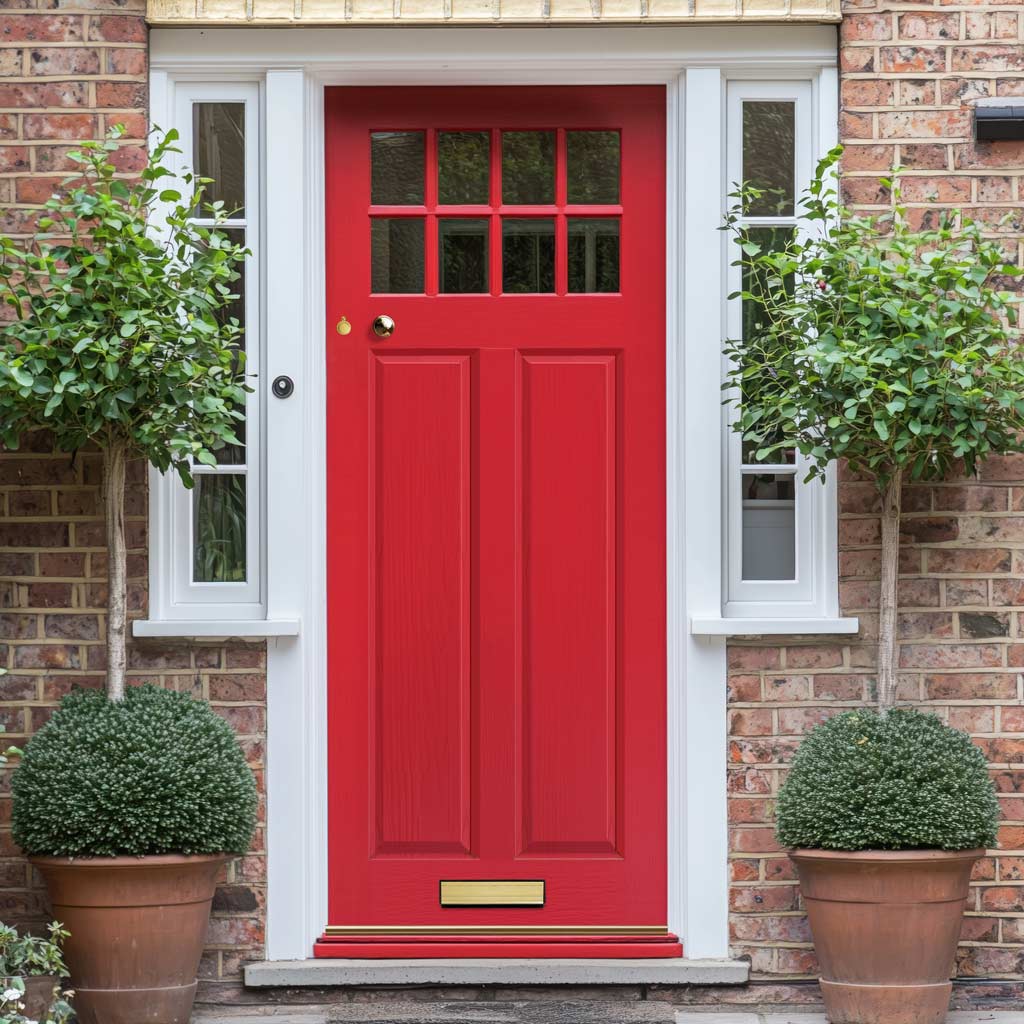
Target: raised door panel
(569, 617)
(421, 553)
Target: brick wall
(52, 597)
(69, 69)
(910, 73)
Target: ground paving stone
(550, 1012)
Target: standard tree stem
(115, 456)
(887, 602)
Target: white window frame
(813, 592)
(174, 595)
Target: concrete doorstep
(543, 1011)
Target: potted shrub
(889, 347)
(130, 809)
(31, 969)
(129, 802)
(885, 816)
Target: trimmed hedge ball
(158, 772)
(900, 781)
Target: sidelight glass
(463, 168)
(218, 153)
(232, 454)
(463, 254)
(528, 168)
(397, 161)
(528, 254)
(396, 254)
(593, 254)
(769, 526)
(769, 155)
(219, 528)
(593, 167)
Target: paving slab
(585, 1011)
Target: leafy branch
(871, 341)
(118, 336)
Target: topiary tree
(156, 772)
(899, 781)
(118, 338)
(891, 347)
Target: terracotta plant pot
(39, 995)
(885, 926)
(137, 928)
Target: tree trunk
(887, 602)
(115, 457)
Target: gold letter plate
(492, 894)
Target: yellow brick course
(433, 12)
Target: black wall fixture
(999, 123)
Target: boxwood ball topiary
(158, 772)
(900, 781)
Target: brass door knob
(383, 326)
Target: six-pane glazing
(450, 208)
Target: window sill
(210, 628)
(711, 626)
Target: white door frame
(293, 66)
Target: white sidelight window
(206, 548)
(779, 534)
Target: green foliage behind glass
(158, 772)
(118, 335)
(899, 781)
(867, 340)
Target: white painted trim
(704, 889)
(296, 517)
(208, 628)
(174, 596)
(723, 626)
(814, 590)
(296, 64)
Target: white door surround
(292, 68)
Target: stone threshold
(543, 1011)
(506, 972)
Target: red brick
(925, 156)
(950, 655)
(52, 61)
(117, 28)
(857, 58)
(968, 560)
(912, 58)
(763, 899)
(867, 26)
(925, 25)
(41, 28)
(126, 62)
(745, 722)
(917, 92)
(867, 92)
(971, 686)
(120, 94)
(754, 840)
(941, 190)
(60, 126)
(925, 124)
(987, 58)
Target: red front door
(496, 521)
